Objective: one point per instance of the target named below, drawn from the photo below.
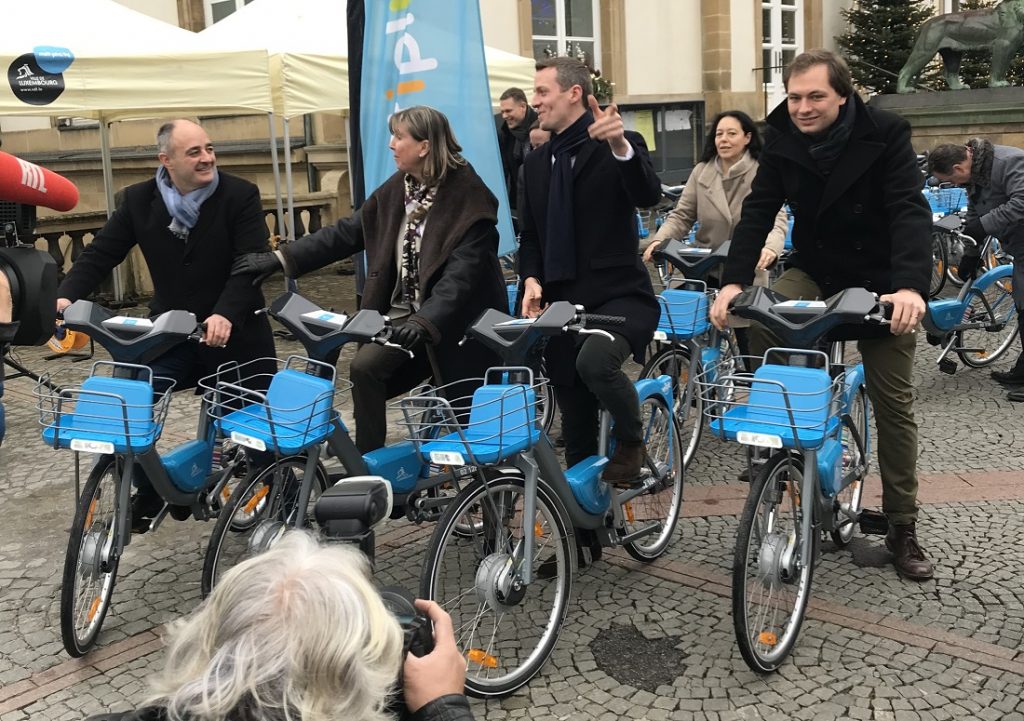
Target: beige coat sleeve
(682, 217)
(776, 239)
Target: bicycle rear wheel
(659, 506)
(856, 458)
(771, 581)
(674, 362)
(980, 347)
(257, 510)
(473, 569)
(90, 566)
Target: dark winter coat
(459, 273)
(610, 275)
(865, 224)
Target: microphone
(26, 183)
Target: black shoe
(1012, 377)
(1016, 396)
(144, 507)
(744, 476)
(623, 470)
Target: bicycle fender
(991, 276)
(660, 386)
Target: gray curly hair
(297, 633)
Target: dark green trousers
(888, 371)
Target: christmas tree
(976, 65)
(879, 39)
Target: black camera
(32, 275)
(418, 635)
(348, 510)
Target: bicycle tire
(995, 306)
(675, 363)
(230, 541)
(954, 252)
(469, 576)
(940, 261)
(663, 501)
(549, 404)
(88, 581)
(856, 452)
(766, 638)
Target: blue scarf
(184, 209)
(560, 241)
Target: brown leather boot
(624, 467)
(907, 555)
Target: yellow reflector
(256, 498)
(482, 658)
(629, 512)
(767, 638)
(94, 608)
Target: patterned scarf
(418, 200)
(982, 154)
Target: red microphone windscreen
(27, 183)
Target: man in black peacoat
(579, 244)
(850, 176)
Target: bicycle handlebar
(132, 340)
(321, 331)
(692, 261)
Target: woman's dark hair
(746, 124)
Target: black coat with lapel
(866, 224)
(192, 275)
(610, 275)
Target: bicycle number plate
(81, 444)
(763, 440)
(447, 458)
(248, 441)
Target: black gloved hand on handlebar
(968, 266)
(408, 336)
(260, 265)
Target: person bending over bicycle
(579, 244)
(994, 178)
(300, 632)
(431, 245)
(190, 221)
(850, 176)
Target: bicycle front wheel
(90, 565)
(979, 346)
(771, 580)
(675, 363)
(940, 261)
(256, 512)
(474, 570)
(659, 506)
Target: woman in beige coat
(714, 194)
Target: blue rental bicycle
(114, 412)
(980, 324)
(812, 411)
(502, 556)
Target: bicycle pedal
(947, 366)
(873, 523)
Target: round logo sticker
(31, 83)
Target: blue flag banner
(430, 52)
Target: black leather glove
(976, 230)
(408, 336)
(968, 266)
(259, 265)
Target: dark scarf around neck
(560, 243)
(826, 148)
(982, 154)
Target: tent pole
(290, 283)
(108, 185)
(277, 174)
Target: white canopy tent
(99, 59)
(308, 46)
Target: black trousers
(600, 381)
(378, 374)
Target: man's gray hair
(163, 137)
(297, 633)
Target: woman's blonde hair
(297, 633)
(423, 122)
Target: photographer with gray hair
(300, 633)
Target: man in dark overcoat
(579, 244)
(190, 222)
(850, 176)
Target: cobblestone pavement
(641, 642)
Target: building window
(950, 6)
(566, 27)
(217, 10)
(674, 133)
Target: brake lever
(596, 331)
(389, 344)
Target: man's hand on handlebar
(259, 265)
(720, 310)
(409, 336)
(650, 251)
(62, 305)
(532, 294)
(907, 310)
(218, 331)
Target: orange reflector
(225, 494)
(482, 658)
(71, 341)
(256, 498)
(94, 608)
(629, 512)
(90, 514)
(767, 638)
(538, 530)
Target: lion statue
(1000, 28)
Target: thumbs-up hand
(608, 126)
